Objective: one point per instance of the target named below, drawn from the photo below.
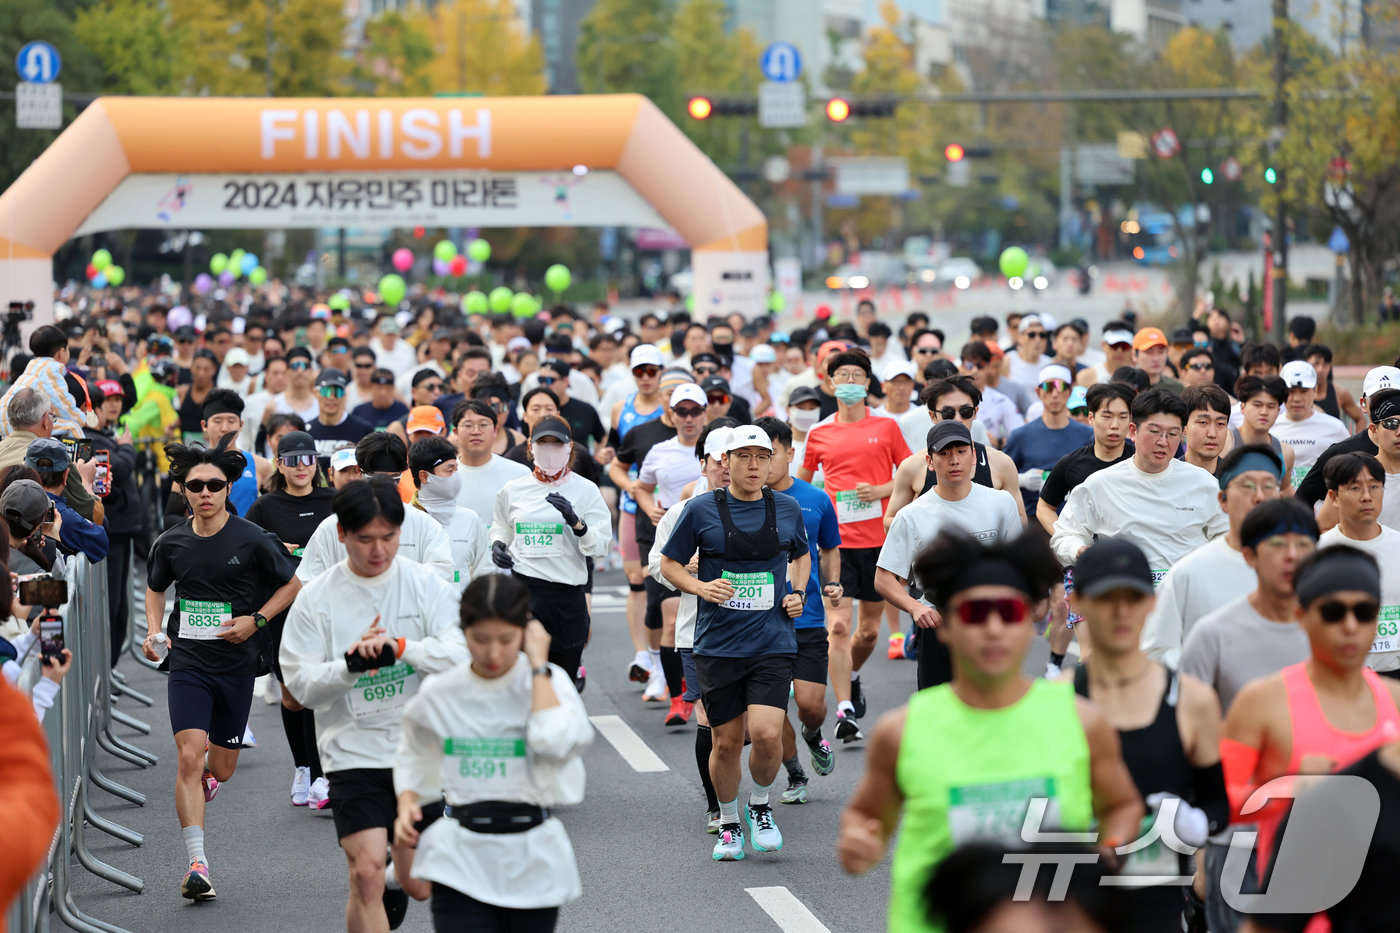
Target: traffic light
(953, 152)
(837, 110)
(1207, 176)
(699, 108)
(1270, 175)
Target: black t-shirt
(635, 447)
(241, 565)
(1312, 488)
(583, 421)
(381, 417)
(330, 437)
(1371, 907)
(1074, 468)
(293, 519)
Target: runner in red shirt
(858, 454)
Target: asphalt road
(639, 836)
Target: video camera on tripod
(41, 589)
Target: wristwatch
(544, 670)
(259, 619)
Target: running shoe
(730, 845)
(896, 650)
(796, 793)
(1052, 670)
(210, 785)
(712, 822)
(301, 787)
(581, 678)
(766, 837)
(640, 669)
(858, 699)
(680, 712)
(249, 740)
(847, 729)
(823, 758)
(196, 886)
(395, 906)
(320, 795)
(272, 691)
(656, 691)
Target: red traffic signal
(953, 152)
(837, 110)
(699, 107)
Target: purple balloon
(441, 268)
(226, 278)
(202, 283)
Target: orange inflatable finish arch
(625, 134)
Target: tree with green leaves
(625, 45)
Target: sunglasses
(926, 351)
(1334, 610)
(436, 386)
(976, 611)
(973, 366)
(648, 370)
(296, 460)
(1121, 347)
(544, 380)
(689, 411)
(1390, 424)
(1054, 385)
(1036, 334)
(381, 380)
(497, 405)
(706, 369)
(339, 349)
(1199, 367)
(364, 366)
(299, 365)
(331, 391)
(199, 485)
(719, 399)
(965, 413)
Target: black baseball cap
(707, 358)
(295, 442)
(1112, 564)
(185, 334)
(551, 427)
(803, 394)
(330, 376)
(946, 433)
(1181, 335)
(715, 384)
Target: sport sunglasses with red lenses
(977, 611)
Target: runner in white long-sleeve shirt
(499, 738)
(355, 648)
(433, 463)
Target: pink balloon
(403, 259)
(440, 267)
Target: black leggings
(935, 661)
(455, 912)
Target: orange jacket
(27, 795)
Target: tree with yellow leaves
(481, 47)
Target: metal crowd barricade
(79, 722)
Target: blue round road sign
(781, 62)
(38, 63)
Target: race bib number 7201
(753, 592)
(201, 620)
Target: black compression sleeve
(1211, 797)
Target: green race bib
(384, 691)
(997, 810)
(1387, 630)
(849, 508)
(483, 759)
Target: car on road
(957, 272)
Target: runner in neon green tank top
(964, 760)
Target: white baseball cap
(717, 442)
(1027, 320)
(1298, 374)
(342, 459)
(1111, 337)
(749, 436)
(899, 368)
(1382, 377)
(688, 391)
(645, 354)
(763, 354)
(236, 356)
(1055, 371)
(1047, 319)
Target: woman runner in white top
(500, 739)
(543, 528)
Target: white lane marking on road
(628, 744)
(790, 914)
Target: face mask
(722, 349)
(439, 495)
(850, 393)
(802, 420)
(551, 458)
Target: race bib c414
(540, 539)
(752, 591)
(202, 620)
(387, 689)
(849, 508)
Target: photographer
(28, 415)
(24, 506)
(75, 533)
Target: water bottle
(160, 645)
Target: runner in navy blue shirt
(1038, 445)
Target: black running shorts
(729, 686)
(810, 665)
(216, 704)
(362, 798)
(858, 573)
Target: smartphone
(79, 448)
(51, 635)
(43, 590)
(102, 480)
(355, 663)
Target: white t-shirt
(689, 608)
(1200, 583)
(401, 359)
(357, 721)
(1027, 374)
(480, 484)
(280, 406)
(421, 540)
(1167, 514)
(405, 381)
(1390, 504)
(985, 514)
(998, 414)
(670, 465)
(540, 543)
(1385, 548)
(1308, 438)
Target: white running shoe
(249, 741)
(301, 787)
(656, 691)
(640, 668)
(272, 691)
(320, 796)
(1052, 670)
(764, 835)
(730, 845)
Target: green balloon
(235, 263)
(558, 278)
(101, 260)
(338, 303)
(1013, 262)
(478, 251)
(218, 263)
(116, 275)
(524, 305)
(445, 250)
(475, 302)
(690, 303)
(392, 289)
(500, 298)
(258, 275)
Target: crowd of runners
(390, 523)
